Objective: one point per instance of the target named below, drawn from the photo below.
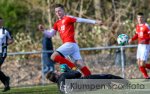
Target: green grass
(52, 89)
(47, 89)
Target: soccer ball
(122, 39)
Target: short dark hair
(59, 5)
(140, 14)
(52, 76)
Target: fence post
(43, 76)
(122, 62)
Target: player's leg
(147, 65)
(61, 53)
(142, 56)
(143, 69)
(4, 79)
(56, 57)
(79, 62)
(83, 68)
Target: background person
(5, 40)
(47, 63)
(143, 36)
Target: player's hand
(130, 40)
(10, 41)
(41, 27)
(99, 22)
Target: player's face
(59, 12)
(140, 19)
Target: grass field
(52, 89)
(47, 89)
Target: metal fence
(97, 58)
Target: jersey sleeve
(148, 27)
(135, 37)
(49, 33)
(82, 20)
(71, 19)
(55, 26)
(9, 35)
(148, 31)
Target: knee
(139, 62)
(142, 63)
(54, 55)
(80, 64)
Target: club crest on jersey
(62, 27)
(141, 28)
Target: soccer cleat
(147, 77)
(74, 68)
(6, 85)
(6, 89)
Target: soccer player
(67, 73)
(5, 40)
(143, 36)
(65, 27)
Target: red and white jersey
(142, 33)
(65, 27)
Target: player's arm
(148, 38)
(135, 37)
(47, 32)
(10, 39)
(83, 20)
